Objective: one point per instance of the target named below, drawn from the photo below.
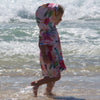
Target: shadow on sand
(66, 98)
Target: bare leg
(49, 88)
(42, 81)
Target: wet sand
(68, 88)
(74, 94)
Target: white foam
(26, 90)
(18, 48)
(74, 9)
(80, 41)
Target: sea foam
(25, 9)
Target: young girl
(48, 16)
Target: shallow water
(83, 87)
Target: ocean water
(19, 53)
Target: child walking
(48, 16)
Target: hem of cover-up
(52, 76)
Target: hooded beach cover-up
(49, 36)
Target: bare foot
(35, 88)
(49, 94)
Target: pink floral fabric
(49, 36)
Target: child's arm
(44, 53)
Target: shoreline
(77, 95)
(65, 89)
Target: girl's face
(58, 19)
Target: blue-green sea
(19, 53)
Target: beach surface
(70, 87)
